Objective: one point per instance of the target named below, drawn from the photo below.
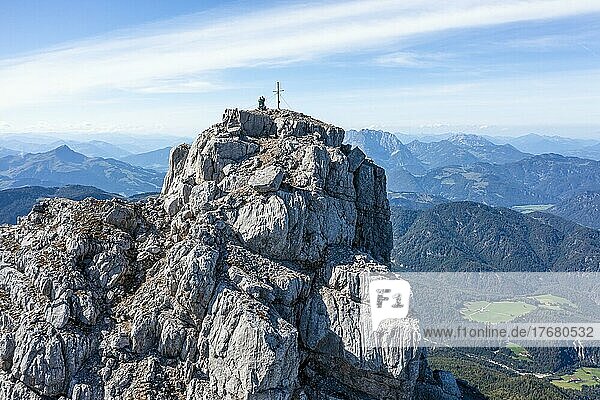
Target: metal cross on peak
(278, 91)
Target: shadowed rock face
(238, 282)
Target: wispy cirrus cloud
(548, 42)
(181, 85)
(174, 56)
(412, 59)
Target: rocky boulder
(267, 179)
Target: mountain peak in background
(468, 139)
(66, 154)
(539, 144)
(385, 148)
(63, 166)
(418, 157)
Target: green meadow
(495, 312)
(552, 302)
(519, 352)
(529, 208)
(580, 378)
(508, 310)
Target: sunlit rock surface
(238, 282)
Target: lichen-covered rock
(241, 281)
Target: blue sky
(171, 67)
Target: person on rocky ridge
(261, 103)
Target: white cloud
(548, 42)
(172, 57)
(82, 128)
(411, 59)
(182, 85)
(554, 98)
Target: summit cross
(278, 91)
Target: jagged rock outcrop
(240, 281)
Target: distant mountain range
(592, 152)
(583, 209)
(157, 160)
(92, 148)
(18, 202)
(63, 166)
(463, 150)
(541, 144)
(128, 150)
(470, 167)
(529, 143)
(7, 152)
(386, 150)
(107, 145)
(469, 236)
(417, 157)
(415, 201)
(543, 179)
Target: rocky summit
(238, 282)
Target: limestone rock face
(307, 192)
(240, 281)
(267, 179)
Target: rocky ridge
(238, 282)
